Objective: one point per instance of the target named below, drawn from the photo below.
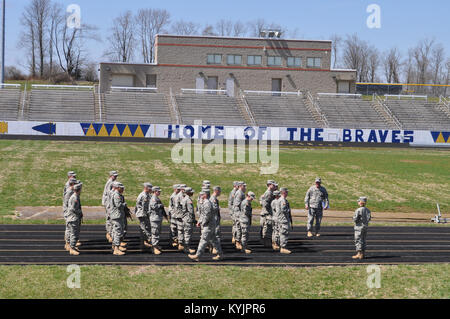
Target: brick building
(233, 64)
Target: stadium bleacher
(280, 111)
(350, 112)
(9, 103)
(137, 107)
(418, 114)
(61, 105)
(211, 109)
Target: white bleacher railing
(134, 89)
(317, 108)
(340, 95)
(49, 86)
(388, 111)
(174, 105)
(413, 97)
(274, 93)
(247, 108)
(203, 91)
(445, 102)
(9, 85)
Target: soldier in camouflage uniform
(214, 199)
(239, 196)
(205, 186)
(245, 221)
(207, 222)
(106, 200)
(117, 216)
(284, 219)
(70, 175)
(230, 209)
(172, 214)
(266, 214)
(67, 194)
(74, 218)
(178, 215)
(275, 223)
(315, 198)
(142, 212)
(157, 213)
(361, 218)
(188, 220)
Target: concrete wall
(182, 59)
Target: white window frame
(215, 56)
(315, 64)
(275, 58)
(233, 57)
(254, 58)
(295, 59)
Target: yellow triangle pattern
(115, 132)
(91, 131)
(3, 127)
(139, 132)
(440, 139)
(102, 133)
(127, 132)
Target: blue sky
(403, 22)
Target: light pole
(2, 79)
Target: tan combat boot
(147, 244)
(74, 251)
(309, 235)
(214, 251)
(275, 246)
(247, 251)
(78, 244)
(194, 257)
(108, 238)
(67, 247)
(233, 240)
(124, 249)
(190, 251)
(363, 255)
(157, 250)
(123, 244)
(357, 256)
(217, 258)
(117, 251)
(238, 245)
(285, 251)
(180, 247)
(317, 235)
(175, 243)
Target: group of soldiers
(275, 220)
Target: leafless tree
(225, 28)
(257, 26)
(56, 17)
(182, 27)
(422, 57)
(208, 30)
(28, 42)
(122, 40)
(392, 65)
(335, 48)
(239, 29)
(356, 55)
(149, 23)
(374, 63)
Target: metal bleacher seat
(344, 111)
(211, 109)
(418, 114)
(280, 111)
(61, 105)
(9, 103)
(137, 107)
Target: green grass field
(399, 180)
(427, 281)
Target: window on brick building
(214, 59)
(294, 62)
(254, 60)
(314, 62)
(234, 59)
(274, 61)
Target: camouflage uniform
(245, 221)
(361, 218)
(314, 199)
(117, 215)
(143, 214)
(238, 198)
(105, 203)
(74, 216)
(173, 220)
(216, 215)
(207, 220)
(157, 213)
(275, 221)
(67, 194)
(266, 215)
(178, 215)
(231, 210)
(284, 220)
(186, 228)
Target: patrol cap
(71, 174)
(217, 188)
(206, 191)
(120, 185)
(73, 181)
(201, 193)
(78, 186)
(318, 180)
(363, 199)
(206, 183)
(156, 189)
(271, 182)
(276, 193)
(189, 190)
(113, 173)
(182, 186)
(177, 186)
(284, 189)
(148, 185)
(251, 194)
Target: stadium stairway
(10, 103)
(351, 112)
(419, 114)
(280, 111)
(136, 107)
(211, 109)
(61, 105)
